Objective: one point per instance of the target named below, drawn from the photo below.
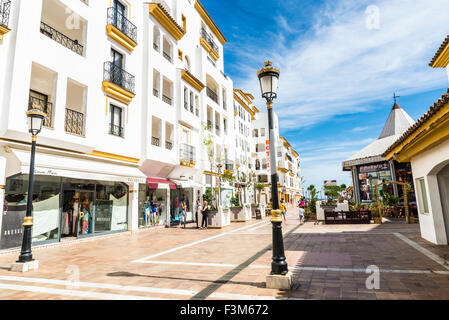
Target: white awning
(61, 166)
(187, 184)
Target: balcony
(44, 106)
(121, 29)
(118, 83)
(187, 155)
(74, 122)
(167, 100)
(211, 94)
(5, 7)
(164, 18)
(116, 130)
(156, 93)
(167, 56)
(168, 145)
(187, 76)
(209, 44)
(155, 141)
(62, 39)
(229, 165)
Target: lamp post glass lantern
(35, 119)
(269, 79)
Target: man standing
(301, 215)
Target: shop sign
(46, 172)
(374, 167)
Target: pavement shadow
(219, 281)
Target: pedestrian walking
(302, 204)
(283, 210)
(301, 215)
(197, 209)
(205, 213)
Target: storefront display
(153, 206)
(371, 175)
(63, 207)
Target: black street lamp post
(35, 121)
(269, 77)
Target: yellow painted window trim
(166, 21)
(120, 37)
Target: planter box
(240, 214)
(219, 219)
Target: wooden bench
(347, 217)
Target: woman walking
(205, 213)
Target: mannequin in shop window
(153, 211)
(75, 213)
(86, 219)
(67, 219)
(146, 211)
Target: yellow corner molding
(192, 80)
(166, 21)
(245, 106)
(114, 91)
(208, 20)
(209, 49)
(120, 37)
(113, 156)
(3, 31)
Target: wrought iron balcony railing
(209, 40)
(168, 145)
(167, 100)
(120, 22)
(118, 76)
(116, 130)
(211, 94)
(62, 39)
(156, 47)
(74, 122)
(156, 93)
(5, 8)
(44, 106)
(155, 141)
(187, 152)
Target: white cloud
(340, 66)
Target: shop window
(423, 196)
(46, 217)
(153, 207)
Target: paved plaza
(328, 262)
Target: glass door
(119, 14)
(117, 66)
(85, 224)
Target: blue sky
(340, 63)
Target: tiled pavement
(328, 262)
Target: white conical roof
(397, 123)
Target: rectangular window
(186, 98)
(192, 102)
(423, 196)
(116, 127)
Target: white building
(426, 145)
(139, 115)
(288, 162)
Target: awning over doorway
(77, 168)
(159, 183)
(187, 184)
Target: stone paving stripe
(424, 251)
(74, 293)
(324, 269)
(258, 227)
(203, 294)
(193, 243)
(218, 295)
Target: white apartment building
(244, 114)
(288, 163)
(139, 116)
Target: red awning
(153, 183)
